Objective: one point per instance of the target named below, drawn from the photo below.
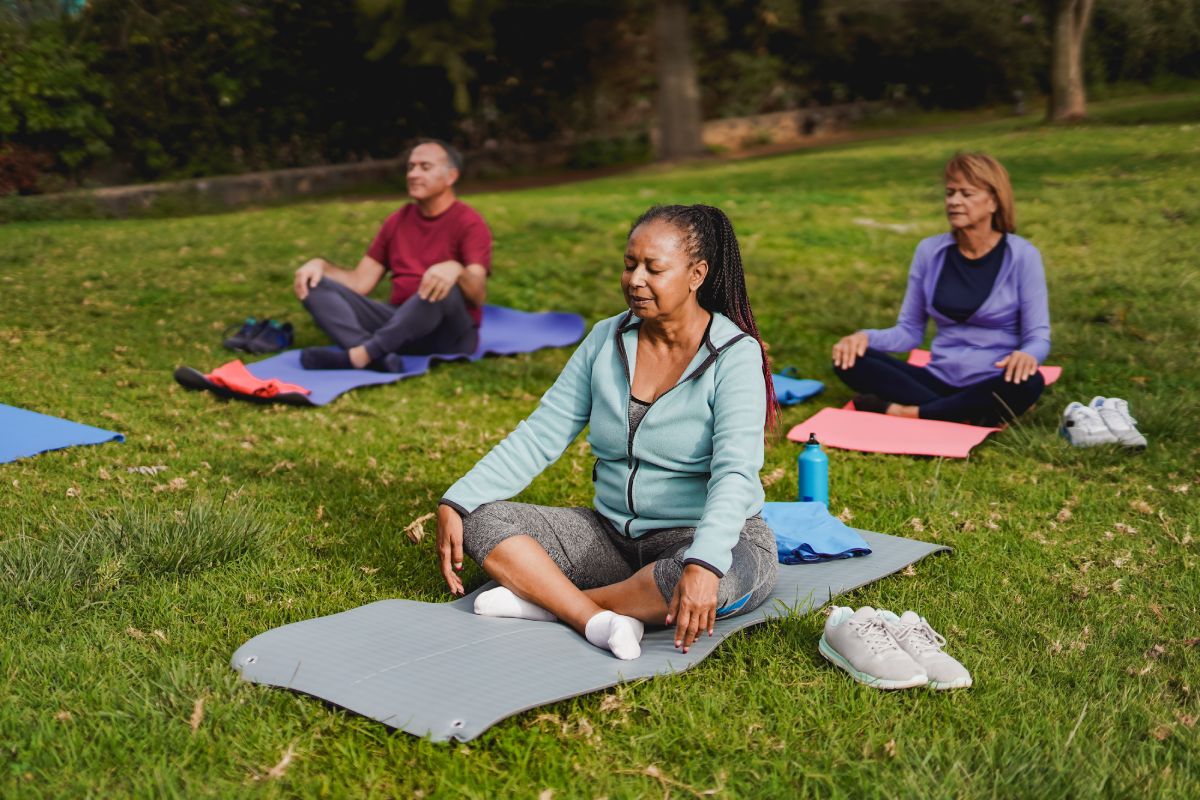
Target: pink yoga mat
(919, 358)
(847, 429)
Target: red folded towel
(236, 378)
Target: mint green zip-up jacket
(694, 460)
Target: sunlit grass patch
(83, 561)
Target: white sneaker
(1115, 413)
(1083, 427)
(913, 633)
(860, 643)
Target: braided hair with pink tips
(709, 236)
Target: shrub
(20, 168)
(50, 99)
(611, 151)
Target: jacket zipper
(636, 463)
(633, 463)
(629, 497)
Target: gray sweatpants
(591, 553)
(415, 327)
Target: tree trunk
(1068, 98)
(678, 91)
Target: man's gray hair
(452, 153)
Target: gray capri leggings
(591, 553)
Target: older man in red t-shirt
(439, 252)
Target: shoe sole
(839, 661)
(1062, 431)
(957, 683)
(1124, 440)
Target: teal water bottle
(813, 468)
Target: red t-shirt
(410, 243)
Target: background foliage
(115, 90)
(52, 103)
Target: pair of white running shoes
(1105, 420)
(884, 651)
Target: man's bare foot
(359, 357)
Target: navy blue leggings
(988, 402)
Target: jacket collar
(720, 334)
(721, 330)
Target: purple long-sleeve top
(1015, 316)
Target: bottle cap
(812, 439)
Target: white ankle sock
(620, 634)
(501, 602)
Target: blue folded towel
(790, 390)
(806, 533)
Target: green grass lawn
(1072, 593)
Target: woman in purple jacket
(985, 288)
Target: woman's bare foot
(897, 410)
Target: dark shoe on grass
(272, 337)
(242, 338)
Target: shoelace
(1122, 410)
(1086, 421)
(875, 635)
(922, 637)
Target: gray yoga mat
(438, 670)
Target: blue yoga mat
(807, 533)
(791, 391)
(504, 332)
(26, 433)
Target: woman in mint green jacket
(676, 393)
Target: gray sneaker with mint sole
(859, 643)
(913, 633)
